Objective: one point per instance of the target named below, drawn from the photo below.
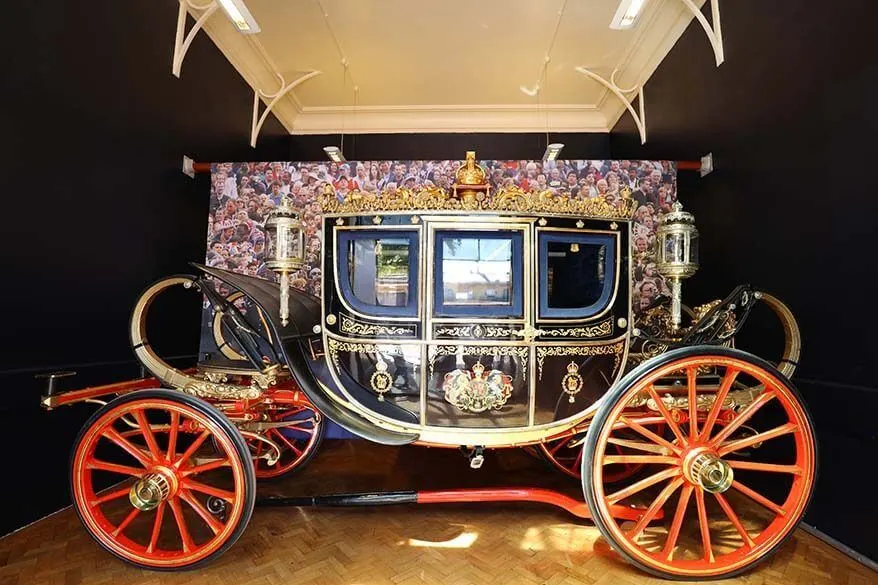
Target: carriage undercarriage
(462, 331)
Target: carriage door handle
(528, 333)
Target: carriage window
(477, 273)
(378, 271)
(577, 274)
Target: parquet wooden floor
(442, 544)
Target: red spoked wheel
(298, 441)
(149, 487)
(565, 455)
(729, 494)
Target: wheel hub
(151, 490)
(705, 469)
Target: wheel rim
(296, 443)
(205, 498)
(718, 524)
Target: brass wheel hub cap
(710, 472)
(149, 491)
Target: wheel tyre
(231, 433)
(610, 400)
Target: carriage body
(471, 327)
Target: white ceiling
(447, 65)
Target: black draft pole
(338, 500)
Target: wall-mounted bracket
(706, 164)
(714, 30)
(183, 40)
(639, 115)
(188, 167)
(285, 88)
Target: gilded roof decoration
(511, 199)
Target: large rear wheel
(149, 487)
(730, 475)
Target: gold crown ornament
(471, 181)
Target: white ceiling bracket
(183, 39)
(714, 32)
(638, 115)
(259, 120)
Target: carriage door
(479, 318)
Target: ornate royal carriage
(471, 319)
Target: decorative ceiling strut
(183, 40)
(639, 116)
(714, 32)
(285, 88)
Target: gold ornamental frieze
(521, 352)
(218, 391)
(477, 331)
(613, 349)
(358, 328)
(335, 346)
(511, 199)
(602, 329)
(734, 400)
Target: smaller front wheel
(729, 460)
(149, 487)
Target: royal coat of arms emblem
(476, 390)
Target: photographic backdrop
(242, 194)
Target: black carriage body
(474, 328)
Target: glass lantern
(677, 253)
(285, 252)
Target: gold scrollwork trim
(521, 352)
(477, 330)
(335, 346)
(598, 330)
(512, 199)
(614, 349)
(354, 327)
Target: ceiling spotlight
(237, 12)
(334, 154)
(552, 151)
(627, 14)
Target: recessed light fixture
(552, 151)
(334, 154)
(626, 15)
(237, 12)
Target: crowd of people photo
(243, 194)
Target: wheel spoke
(173, 433)
(733, 518)
(691, 374)
(108, 496)
(215, 525)
(185, 537)
(770, 467)
(733, 446)
(114, 436)
(156, 527)
(743, 417)
(728, 380)
(642, 484)
(289, 443)
(643, 421)
(211, 465)
(705, 526)
(146, 431)
(192, 449)
(654, 508)
(628, 459)
(651, 435)
(675, 428)
(113, 467)
(677, 523)
(638, 445)
(209, 490)
(131, 516)
(758, 498)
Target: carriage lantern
(677, 242)
(286, 249)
